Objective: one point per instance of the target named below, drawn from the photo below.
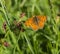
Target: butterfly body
(36, 22)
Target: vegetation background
(15, 38)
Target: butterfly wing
(28, 22)
(34, 26)
(42, 21)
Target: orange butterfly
(36, 22)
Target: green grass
(16, 38)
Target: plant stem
(29, 43)
(6, 17)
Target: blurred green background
(16, 38)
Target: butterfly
(36, 22)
